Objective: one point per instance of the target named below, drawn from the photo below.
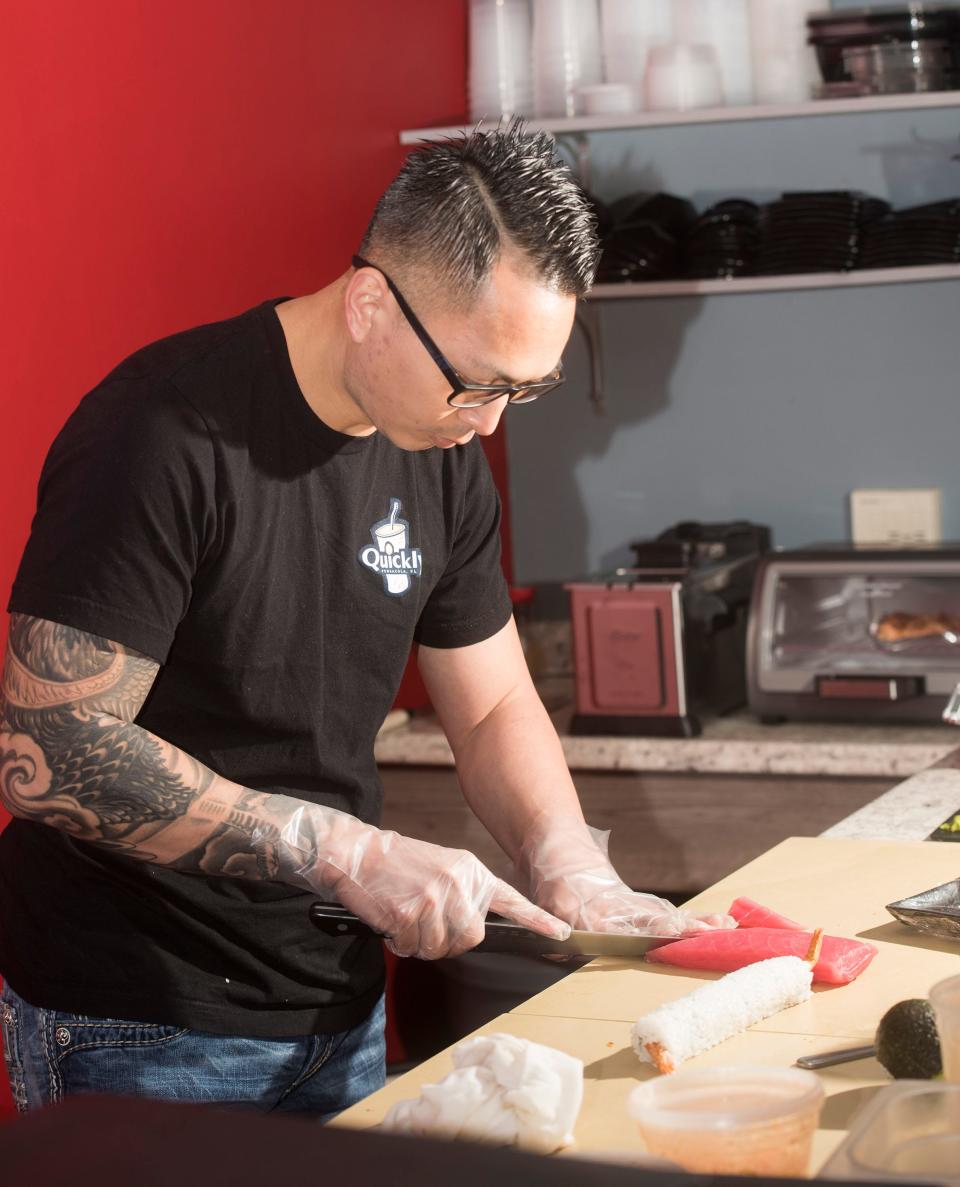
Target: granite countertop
(911, 810)
(736, 744)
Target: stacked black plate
(723, 242)
(921, 235)
(644, 242)
(660, 237)
(638, 251)
(815, 232)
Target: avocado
(907, 1042)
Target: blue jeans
(51, 1054)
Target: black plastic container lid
(867, 26)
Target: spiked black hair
(456, 204)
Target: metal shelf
(767, 284)
(713, 115)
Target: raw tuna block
(752, 914)
(841, 961)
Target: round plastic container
(608, 98)
(680, 77)
(945, 999)
(731, 1120)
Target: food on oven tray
(899, 626)
(713, 1013)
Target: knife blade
(505, 937)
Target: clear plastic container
(731, 1120)
(945, 999)
(908, 1133)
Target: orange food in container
(731, 1120)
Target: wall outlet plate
(892, 516)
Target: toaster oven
(854, 633)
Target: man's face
(515, 331)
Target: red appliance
(660, 643)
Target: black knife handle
(501, 936)
(337, 922)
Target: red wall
(172, 163)
(169, 164)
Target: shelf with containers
(579, 129)
(577, 132)
(710, 115)
(769, 284)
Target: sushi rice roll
(694, 1023)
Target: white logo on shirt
(389, 555)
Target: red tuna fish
(753, 914)
(841, 961)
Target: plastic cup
(945, 999)
(784, 65)
(680, 77)
(731, 1120)
(609, 98)
(566, 54)
(501, 72)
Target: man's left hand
(566, 871)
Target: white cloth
(503, 1090)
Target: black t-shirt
(195, 508)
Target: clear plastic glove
(564, 865)
(427, 900)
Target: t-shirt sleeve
(471, 601)
(126, 510)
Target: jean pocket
(112, 1055)
(13, 1054)
(75, 1033)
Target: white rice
(711, 1013)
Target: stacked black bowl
(819, 231)
(723, 242)
(660, 237)
(921, 235)
(644, 240)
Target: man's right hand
(68, 705)
(429, 901)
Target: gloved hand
(565, 868)
(428, 900)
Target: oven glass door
(875, 622)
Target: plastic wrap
(566, 869)
(429, 901)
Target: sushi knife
(505, 937)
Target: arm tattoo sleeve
(72, 757)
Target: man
(239, 534)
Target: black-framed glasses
(464, 394)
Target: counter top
(911, 810)
(730, 745)
(839, 884)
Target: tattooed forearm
(72, 757)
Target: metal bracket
(588, 319)
(577, 146)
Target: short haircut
(457, 204)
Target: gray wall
(768, 406)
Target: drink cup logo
(389, 555)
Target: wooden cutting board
(841, 885)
